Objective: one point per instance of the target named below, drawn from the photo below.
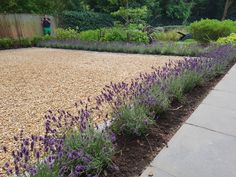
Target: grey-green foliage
(132, 119)
(179, 85)
(96, 144)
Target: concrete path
(205, 146)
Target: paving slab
(197, 152)
(221, 99)
(155, 172)
(233, 68)
(215, 119)
(228, 83)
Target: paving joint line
(234, 136)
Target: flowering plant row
(75, 145)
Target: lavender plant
(164, 48)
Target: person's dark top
(46, 22)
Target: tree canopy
(157, 11)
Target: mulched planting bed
(134, 154)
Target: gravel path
(34, 80)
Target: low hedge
(163, 48)
(207, 30)
(9, 43)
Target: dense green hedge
(85, 20)
(8, 43)
(210, 30)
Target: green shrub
(114, 34)
(90, 35)
(229, 39)
(166, 36)
(137, 36)
(87, 20)
(6, 43)
(38, 39)
(211, 30)
(190, 41)
(132, 119)
(66, 33)
(24, 42)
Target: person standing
(46, 23)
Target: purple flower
(79, 169)
(113, 137)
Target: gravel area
(34, 80)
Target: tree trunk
(228, 4)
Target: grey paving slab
(227, 84)
(233, 68)
(214, 118)
(197, 152)
(221, 99)
(155, 172)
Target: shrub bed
(74, 145)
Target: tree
(228, 4)
(179, 10)
(132, 15)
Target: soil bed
(134, 154)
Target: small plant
(179, 85)
(137, 36)
(114, 34)
(90, 35)
(97, 149)
(132, 119)
(66, 34)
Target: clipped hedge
(85, 20)
(207, 30)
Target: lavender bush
(164, 48)
(73, 145)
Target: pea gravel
(34, 80)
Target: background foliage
(159, 12)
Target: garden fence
(22, 25)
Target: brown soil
(134, 154)
(34, 80)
